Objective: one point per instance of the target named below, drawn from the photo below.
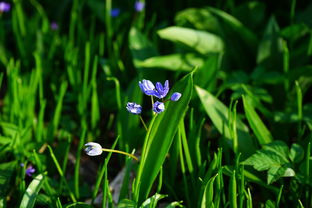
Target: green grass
(240, 136)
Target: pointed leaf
(160, 136)
(218, 114)
(31, 193)
(262, 133)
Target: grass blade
(31, 193)
(262, 133)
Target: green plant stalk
(185, 147)
(72, 196)
(233, 191)
(121, 152)
(58, 109)
(64, 165)
(232, 125)
(187, 192)
(249, 199)
(105, 189)
(299, 106)
(73, 20)
(286, 64)
(279, 196)
(160, 182)
(242, 187)
(77, 164)
(307, 174)
(101, 174)
(109, 32)
(40, 126)
(58, 203)
(143, 123)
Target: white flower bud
(93, 149)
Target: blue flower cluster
(159, 91)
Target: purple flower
(159, 91)
(147, 87)
(134, 108)
(175, 96)
(158, 107)
(30, 170)
(162, 91)
(115, 12)
(54, 26)
(4, 7)
(139, 6)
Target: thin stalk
(143, 123)
(121, 152)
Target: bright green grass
(240, 136)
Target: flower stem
(143, 123)
(121, 152)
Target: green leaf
(218, 114)
(160, 136)
(275, 173)
(262, 133)
(31, 192)
(152, 201)
(200, 41)
(279, 148)
(173, 62)
(6, 173)
(296, 153)
(274, 158)
(126, 203)
(207, 199)
(175, 204)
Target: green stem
(121, 152)
(143, 123)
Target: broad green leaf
(239, 40)
(173, 62)
(262, 133)
(263, 160)
(275, 173)
(279, 148)
(6, 174)
(152, 201)
(296, 153)
(274, 158)
(160, 136)
(218, 114)
(200, 41)
(31, 192)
